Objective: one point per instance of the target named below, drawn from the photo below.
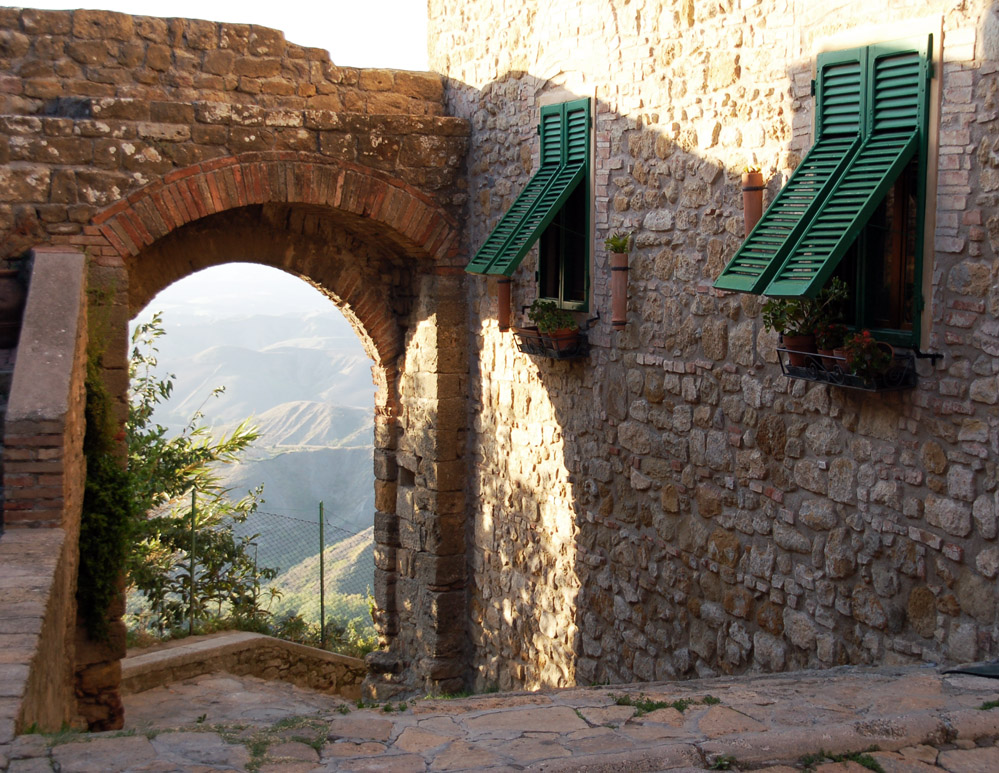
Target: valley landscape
(290, 363)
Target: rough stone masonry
(670, 505)
(673, 504)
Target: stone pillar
(420, 553)
(98, 672)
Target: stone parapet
(245, 654)
(61, 60)
(43, 481)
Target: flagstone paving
(917, 719)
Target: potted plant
(867, 357)
(795, 319)
(829, 336)
(558, 325)
(752, 196)
(618, 245)
(618, 242)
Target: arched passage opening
(382, 253)
(246, 344)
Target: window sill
(530, 341)
(901, 374)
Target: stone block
(433, 570)
(103, 25)
(949, 515)
(385, 467)
(445, 476)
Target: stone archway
(374, 246)
(167, 145)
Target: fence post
(194, 543)
(322, 579)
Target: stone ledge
(245, 654)
(28, 569)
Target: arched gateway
(262, 151)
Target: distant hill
(262, 362)
(295, 481)
(349, 574)
(312, 423)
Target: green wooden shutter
(565, 152)
(840, 102)
(894, 127)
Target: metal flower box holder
(830, 369)
(531, 341)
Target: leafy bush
(184, 507)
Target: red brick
(161, 202)
(196, 196)
(135, 229)
(213, 191)
(114, 209)
(237, 175)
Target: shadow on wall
(673, 505)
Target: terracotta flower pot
(752, 199)
(798, 348)
(564, 339)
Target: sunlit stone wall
(673, 505)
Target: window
(854, 205)
(552, 210)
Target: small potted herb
(618, 242)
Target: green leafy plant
(163, 471)
(866, 356)
(618, 242)
(109, 509)
(723, 762)
(710, 700)
(800, 316)
(989, 705)
(645, 705)
(549, 317)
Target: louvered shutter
(565, 144)
(898, 74)
(840, 103)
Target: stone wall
(673, 504)
(43, 480)
(95, 105)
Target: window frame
(877, 122)
(565, 131)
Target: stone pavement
(919, 719)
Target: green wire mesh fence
(313, 581)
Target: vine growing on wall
(108, 505)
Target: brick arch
(214, 243)
(385, 205)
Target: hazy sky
(365, 33)
(358, 33)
